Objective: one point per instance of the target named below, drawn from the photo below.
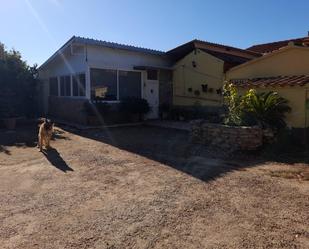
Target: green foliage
(265, 109)
(133, 105)
(8, 104)
(18, 84)
(234, 104)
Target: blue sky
(37, 28)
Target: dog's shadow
(56, 160)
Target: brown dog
(45, 134)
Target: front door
(151, 94)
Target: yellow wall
(288, 61)
(296, 96)
(208, 70)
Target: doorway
(151, 92)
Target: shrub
(132, 105)
(234, 104)
(9, 104)
(265, 109)
(18, 85)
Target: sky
(37, 28)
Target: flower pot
(10, 123)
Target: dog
(45, 134)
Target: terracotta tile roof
(184, 49)
(269, 47)
(282, 81)
(229, 59)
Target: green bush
(265, 109)
(9, 104)
(18, 85)
(132, 105)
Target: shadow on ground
(53, 156)
(23, 136)
(171, 147)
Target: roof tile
(295, 80)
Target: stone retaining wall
(226, 137)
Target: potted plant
(135, 108)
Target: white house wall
(103, 57)
(94, 57)
(64, 65)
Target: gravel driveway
(143, 187)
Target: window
(65, 85)
(152, 74)
(53, 86)
(103, 84)
(114, 85)
(129, 84)
(79, 84)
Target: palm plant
(267, 109)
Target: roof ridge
(226, 46)
(119, 44)
(270, 43)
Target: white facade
(78, 57)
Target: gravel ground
(143, 187)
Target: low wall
(226, 137)
(68, 109)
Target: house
(272, 46)
(199, 71)
(86, 69)
(286, 71)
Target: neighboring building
(285, 71)
(272, 46)
(87, 69)
(199, 70)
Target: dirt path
(144, 188)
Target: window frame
(117, 70)
(71, 85)
(72, 94)
(59, 84)
(117, 84)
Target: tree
(18, 84)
